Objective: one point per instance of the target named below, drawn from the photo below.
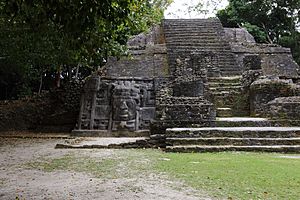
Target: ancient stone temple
(185, 80)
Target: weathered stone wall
(240, 35)
(264, 90)
(275, 60)
(281, 65)
(142, 40)
(248, 77)
(284, 108)
(185, 109)
(149, 62)
(147, 57)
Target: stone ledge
(99, 133)
(233, 141)
(236, 129)
(242, 132)
(274, 148)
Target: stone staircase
(202, 38)
(193, 39)
(224, 90)
(268, 139)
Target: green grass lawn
(230, 175)
(236, 175)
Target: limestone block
(284, 108)
(264, 90)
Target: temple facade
(185, 73)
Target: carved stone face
(124, 109)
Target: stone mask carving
(125, 101)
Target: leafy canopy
(272, 21)
(42, 36)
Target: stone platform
(185, 73)
(103, 143)
(268, 139)
(202, 149)
(100, 133)
(254, 122)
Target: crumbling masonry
(196, 75)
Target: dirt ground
(18, 181)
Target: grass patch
(236, 175)
(98, 167)
(122, 164)
(221, 175)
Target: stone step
(177, 31)
(224, 94)
(229, 67)
(224, 112)
(180, 50)
(190, 23)
(217, 84)
(228, 73)
(200, 45)
(187, 22)
(193, 35)
(253, 122)
(200, 149)
(192, 20)
(242, 122)
(195, 38)
(236, 132)
(203, 24)
(200, 49)
(224, 103)
(225, 88)
(195, 23)
(232, 141)
(193, 27)
(221, 63)
(187, 46)
(226, 67)
(229, 79)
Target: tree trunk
(77, 71)
(266, 31)
(57, 77)
(69, 73)
(41, 84)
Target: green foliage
(271, 21)
(292, 42)
(256, 31)
(45, 36)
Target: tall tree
(272, 21)
(44, 36)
